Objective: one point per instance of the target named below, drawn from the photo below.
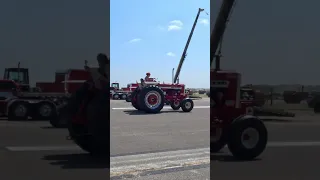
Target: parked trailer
(117, 93)
(18, 102)
(17, 105)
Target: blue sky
(149, 36)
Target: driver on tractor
(147, 78)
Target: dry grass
(198, 95)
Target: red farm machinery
(232, 122)
(117, 93)
(150, 96)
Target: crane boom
(219, 29)
(184, 54)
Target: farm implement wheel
(116, 96)
(151, 99)
(175, 105)
(123, 96)
(187, 105)
(18, 111)
(45, 111)
(128, 99)
(247, 138)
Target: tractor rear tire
(187, 105)
(217, 142)
(316, 108)
(247, 138)
(92, 146)
(151, 99)
(93, 135)
(87, 142)
(134, 102)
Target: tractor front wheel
(247, 138)
(187, 105)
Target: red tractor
(232, 122)
(151, 96)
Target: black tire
(219, 143)
(236, 133)
(316, 108)
(92, 146)
(59, 122)
(187, 105)
(115, 96)
(45, 111)
(134, 99)
(123, 96)
(86, 141)
(175, 105)
(12, 113)
(128, 99)
(156, 96)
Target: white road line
(131, 134)
(132, 108)
(76, 148)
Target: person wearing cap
(147, 78)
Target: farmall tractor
(151, 96)
(232, 122)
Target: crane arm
(184, 54)
(219, 29)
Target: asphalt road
(169, 145)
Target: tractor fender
(243, 117)
(187, 98)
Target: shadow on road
(136, 112)
(78, 161)
(51, 127)
(227, 158)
